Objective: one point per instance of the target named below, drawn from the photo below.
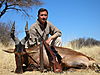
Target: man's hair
(41, 10)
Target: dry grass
(7, 63)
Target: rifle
(41, 57)
(56, 66)
(41, 54)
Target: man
(40, 31)
(43, 28)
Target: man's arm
(50, 38)
(54, 31)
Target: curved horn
(26, 27)
(16, 40)
(13, 27)
(23, 41)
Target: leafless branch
(18, 5)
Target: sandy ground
(7, 67)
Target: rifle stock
(41, 57)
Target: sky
(75, 18)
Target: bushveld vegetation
(83, 42)
(5, 33)
(5, 39)
(89, 46)
(92, 49)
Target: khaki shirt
(50, 29)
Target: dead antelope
(70, 58)
(21, 56)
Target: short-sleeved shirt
(49, 29)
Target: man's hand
(48, 40)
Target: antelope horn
(26, 27)
(12, 31)
(26, 30)
(12, 34)
(23, 41)
(13, 28)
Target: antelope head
(19, 48)
(19, 44)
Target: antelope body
(29, 56)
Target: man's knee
(57, 42)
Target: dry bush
(82, 42)
(5, 29)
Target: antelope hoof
(19, 71)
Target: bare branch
(4, 10)
(18, 5)
(1, 3)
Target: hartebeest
(21, 57)
(70, 58)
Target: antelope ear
(9, 51)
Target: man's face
(43, 17)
